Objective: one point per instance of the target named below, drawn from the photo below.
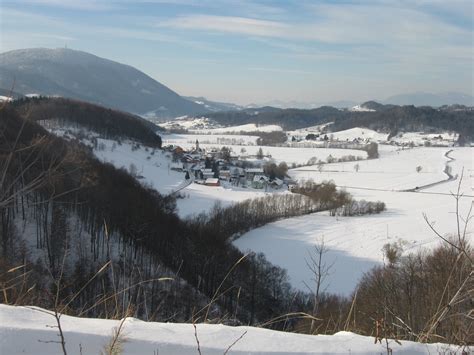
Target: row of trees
(422, 296)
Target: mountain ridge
(84, 76)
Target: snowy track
(447, 171)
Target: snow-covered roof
(257, 178)
(212, 181)
(277, 181)
(254, 170)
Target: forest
(111, 124)
(390, 119)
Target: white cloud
(385, 30)
(88, 5)
(280, 70)
(230, 24)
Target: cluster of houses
(211, 169)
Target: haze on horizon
(254, 51)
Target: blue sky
(252, 51)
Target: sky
(257, 51)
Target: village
(222, 167)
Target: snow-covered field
(251, 127)
(189, 140)
(302, 132)
(297, 155)
(355, 243)
(366, 135)
(200, 198)
(394, 170)
(30, 330)
(421, 138)
(359, 133)
(202, 125)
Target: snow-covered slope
(153, 167)
(31, 330)
(359, 133)
(361, 108)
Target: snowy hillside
(360, 133)
(30, 330)
(361, 108)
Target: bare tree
(465, 291)
(320, 271)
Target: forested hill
(411, 118)
(386, 118)
(70, 199)
(287, 118)
(84, 76)
(72, 113)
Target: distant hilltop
(80, 75)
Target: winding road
(447, 171)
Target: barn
(211, 182)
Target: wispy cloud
(332, 24)
(88, 5)
(279, 70)
(230, 24)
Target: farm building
(250, 173)
(212, 182)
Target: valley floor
(355, 243)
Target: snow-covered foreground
(355, 243)
(25, 330)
